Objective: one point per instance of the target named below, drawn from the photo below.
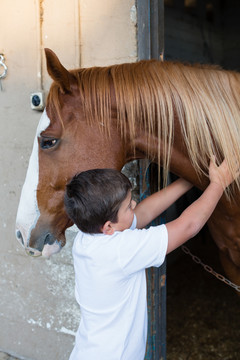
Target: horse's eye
(47, 143)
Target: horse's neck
(180, 164)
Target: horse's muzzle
(44, 244)
(29, 251)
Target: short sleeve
(141, 249)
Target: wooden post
(156, 278)
(151, 45)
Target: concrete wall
(38, 312)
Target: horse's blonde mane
(149, 94)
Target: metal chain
(209, 269)
(5, 69)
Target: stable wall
(203, 31)
(190, 36)
(231, 40)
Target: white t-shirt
(111, 291)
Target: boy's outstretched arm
(151, 207)
(190, 222)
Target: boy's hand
(221, 174)
(191, 221)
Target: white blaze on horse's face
(28, 212)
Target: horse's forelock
(53, 103)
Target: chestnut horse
(175, 114)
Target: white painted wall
(38, 312)
(108, 33)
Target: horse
(175, 114)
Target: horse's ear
(58, 72)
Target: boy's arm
(190, 222)
(151, 207)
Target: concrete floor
(4, 356)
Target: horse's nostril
(19, 236)
(49, 239)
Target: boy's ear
(107, 228)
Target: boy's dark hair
(93, 197)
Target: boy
(111, 254)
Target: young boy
(111, 254)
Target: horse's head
(66, 142)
